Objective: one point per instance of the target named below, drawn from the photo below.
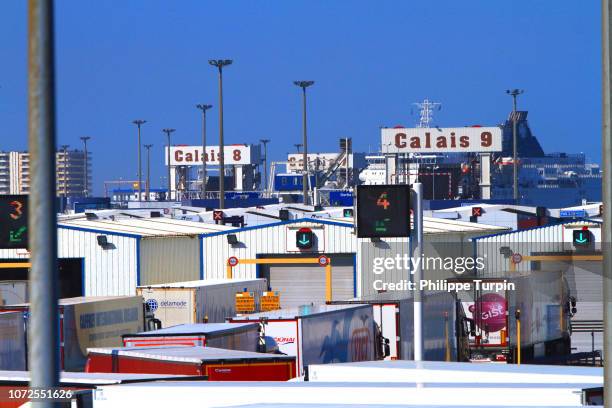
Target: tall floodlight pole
(43, 333)
(606, 236)
(86, 171)
(65, 168)
(265, 142)
(220, 63)
(148, 182)
(514, 93)
(168, 132)
(203, 108)
(304, 85)
(139, 123)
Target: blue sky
(122, 60)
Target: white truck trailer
(320, 334)
(229, 336)
(539, 299)
(202, 301)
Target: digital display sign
(13, 221)
(304, 238)
(383, 211)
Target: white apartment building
(70, 173)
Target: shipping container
(243, 337)
(217, 364)
(88, 322)
(202, 301)
(320, 333)
(394, 314)
(13, 352)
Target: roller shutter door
(305, 284)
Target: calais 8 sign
(192, 155)
(438, 140)
(13, 221)
(383, 211)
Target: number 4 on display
(382, 201)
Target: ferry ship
(552, 180)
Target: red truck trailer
(243, 337)
(217, 364)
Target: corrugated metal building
(351, 257)
(109, 258)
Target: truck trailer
(229, 336)
(320, 334)
(96, 321)
(202, 301)
(217, 364)
(13, 352)
(540, 300)
(394, 315)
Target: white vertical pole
(417, 249)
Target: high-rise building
(69, 170)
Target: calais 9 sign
(13, 221)
(383, 211)
(441, 140)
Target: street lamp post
(139, 123)
(304, 85)
(65, 166)
(220, 63)
(298, 146)
(265, 142)
(148, 182)
(514, 93)
(203, 108)
(168, 132)
(86, 172)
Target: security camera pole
(304, 85)
(139, 123)
(148, 182)
(168, 132)
(203, 108)
(514, 93)
(220, 63)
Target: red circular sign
(323, 260)
(489, 312)
(232, 261)
(517, 258)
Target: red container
(217, 364)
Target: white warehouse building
(111, 258)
